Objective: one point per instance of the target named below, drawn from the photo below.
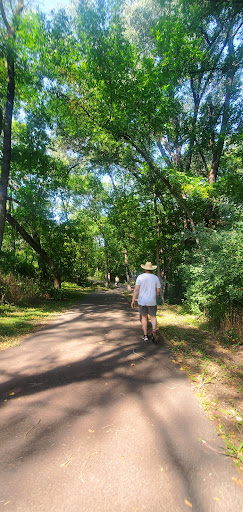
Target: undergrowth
(214, 364)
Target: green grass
(214, 368)
(18, 320)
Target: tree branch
(37, 248)
(163, 153)
(166, 182)
(60, 94)
(6, 23)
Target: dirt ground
(216, 371)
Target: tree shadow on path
(86, 363)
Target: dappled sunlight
(88, 396)
(88, 364)
(215, 370)
(175, 315)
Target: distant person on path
(147, 289)
(117, 281)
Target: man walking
(147, 289)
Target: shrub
(215, 284)
(16, 289)
(11, 262)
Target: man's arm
(135, 294)
(157, 292)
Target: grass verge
(18, 320)
(214, 366)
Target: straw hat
(149, 266)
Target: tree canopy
(120, 142)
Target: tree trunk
(129, 289)
(177, 195)
(158, 247)
(162, 290)
(37, 248)
(160, 274)
(8, 115)
(6, 158)
(196, 99)
(107, 281)
(218, 148)
(41, 263)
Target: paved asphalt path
(93, 419)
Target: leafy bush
(17, 289)
(215, 283)
(11, 262)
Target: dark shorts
(148, 310)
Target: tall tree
(9, 26)
(201, 43)
(119, 103)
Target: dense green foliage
(216, 283)
(126, 147)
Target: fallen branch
(218, 451)
(208, 381)
(31, 429)
(138, 354)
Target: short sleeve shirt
(148, 287)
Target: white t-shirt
(148, 286)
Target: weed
(234, 450)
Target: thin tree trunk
(8, 114)
(177, 195)
(37, 248)
(41, 263)
(159, 273)
(107, 283)
(162, 291)
(129, 289)
(6, 158)
(158, 246)
(196, 99)
(218, 148)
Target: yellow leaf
(91, 430)
(161, 469)
(11, 394)
(238, 481)
(188, 503)
(101, 342)
(133, 364)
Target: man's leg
(153, 322)
(144, 322)
(154, 326)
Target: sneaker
(145, 337)
(154, 337)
